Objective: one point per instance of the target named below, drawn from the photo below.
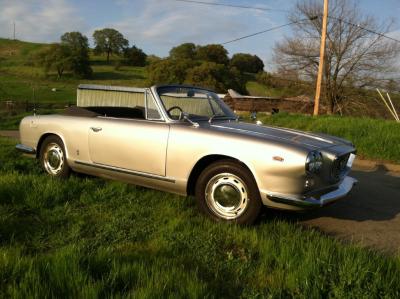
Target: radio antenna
(34, 101)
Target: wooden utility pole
(14, 31)
(321, 58)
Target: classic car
(186, 140)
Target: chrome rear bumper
(311, 202)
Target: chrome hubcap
(226, 195)
(53, 159)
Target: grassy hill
(18, 76)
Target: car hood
(305, 139)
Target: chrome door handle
(95, 129)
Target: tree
(215, 76)
(56, 57)
(183, 51)
(247, 63)
(392, 85)
(109, 41)
(79, 49)
(76, 41)
(354, 57)
(167, 71)
(152, 59)
(135, 56)
(213, 53)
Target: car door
(132, 144)
(129, 144)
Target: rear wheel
(226, 191)
(53, 158)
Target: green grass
(256, 89)
(86, 237)
(19, 78)
(374, 138)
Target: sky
(158, 25)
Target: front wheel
(53, 158)
(226, 191)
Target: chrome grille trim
(339, 167)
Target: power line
(232, 5)
(365, 29)
(266, 30)
(282, 10)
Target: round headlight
(314, 162)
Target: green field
(87, 237)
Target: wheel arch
(43, 138)
(204, 162)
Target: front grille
(339, 166)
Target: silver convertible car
(186, 140)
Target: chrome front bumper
(25, 149)
(311, 202)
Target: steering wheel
(173, 108)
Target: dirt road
(370, 215)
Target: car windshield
(197, 103)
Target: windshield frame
(229, 114)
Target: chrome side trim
(126, 171)
(343, 189)
(25, 149)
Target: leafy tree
(206, 66)
(168, 71)
(216, 77)
(213, 53)
(354, 57)
(247, 63)
(183, 51)
(109, 41)
(150, 59)
(79, 48)
(135, 56)
(76, 41)
(56, 57)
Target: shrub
(216, 77)
(213, 53)
(167, 71)
(135, 56)
(247, 63)
(183, 51)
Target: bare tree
(354, 57)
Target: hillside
(18, 77)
